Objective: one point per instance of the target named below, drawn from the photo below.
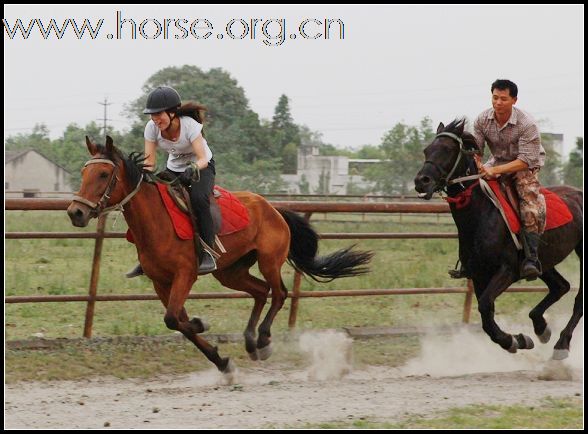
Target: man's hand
(488, 172)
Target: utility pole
(105, 104)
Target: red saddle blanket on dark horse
(234, 214)
(557, 212)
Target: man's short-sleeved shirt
(518, 138)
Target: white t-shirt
(180, 152)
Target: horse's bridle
(445, 179)
(100, 208)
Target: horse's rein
(100, 208)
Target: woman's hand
(190, 175)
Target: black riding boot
(207, 263)
(531, 267)
(137, 271)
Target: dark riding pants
(200, 192)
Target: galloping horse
(486, 247)
(109, 180)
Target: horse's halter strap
(100, 208)
(446, 176)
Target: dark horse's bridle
(445, 179)
(99, 208)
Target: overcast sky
(395, 63)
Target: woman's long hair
(193, 110)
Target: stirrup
(207, 265)
(458, 273)
(137, 271)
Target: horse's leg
(270, 268)
(239, 278)
(558, 286)
(496, 286)
(562, 347)
(176, 318)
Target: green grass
(549, 414)
(47, 267)
(149, 357)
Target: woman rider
(177, 129)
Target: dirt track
(271, 396)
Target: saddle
(557, 211)
(228, 213)
(181, 198)
(507, 186)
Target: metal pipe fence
(308, 208)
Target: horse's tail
(303, 250)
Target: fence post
(467, 304)
(296, 290)
(94, 277)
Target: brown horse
(109, 181)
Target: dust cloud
(329, 352)
(464, 352)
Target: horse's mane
(135, 165)
(457, 126)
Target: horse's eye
(103, 175)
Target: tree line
(252, 153)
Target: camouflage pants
(532, 202)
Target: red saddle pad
(557, 212)
(234, 214)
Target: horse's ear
(459, 128)
(91, 146)
(109, 145)
(440, 128)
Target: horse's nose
(76, 216)
(422, 181)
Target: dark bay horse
(109, 180)
(486, 247)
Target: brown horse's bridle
(100, 208)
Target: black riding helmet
(162, 98)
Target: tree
(324, 183)
(573, 169)
(284, 132)
(551, 172)
(229, 122)
(401, 149)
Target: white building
(319, 174)
(29, 173)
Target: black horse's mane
(134, 163)
(456, 127)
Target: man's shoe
(531, 267)
(137, 271)
(207, 265)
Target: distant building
(31, 173)
(320, 174)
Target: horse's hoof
(265, 352)
(560, 354)
(525, 342)
(230, 368)
(514, 346)
(545, 336)
(253, 356)
(200, 324)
